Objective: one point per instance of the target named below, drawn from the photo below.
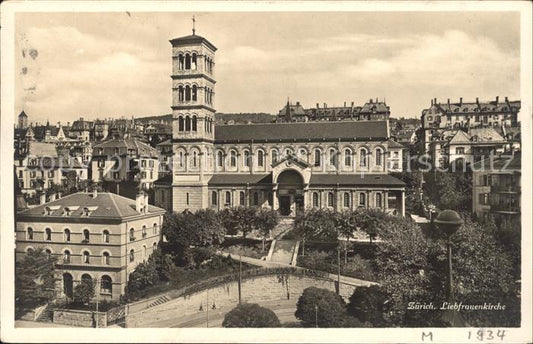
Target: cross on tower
(193, 22)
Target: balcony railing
(505, 189)
(505, 208)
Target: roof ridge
(115, 204)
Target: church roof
(104, 206)
(191, 39)
(240, 179)
(356, 180)
(302, 131)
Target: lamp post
(448, 222)
(316, 315)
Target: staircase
(283, 251)
(47, 314)
(284, 226)
(158, 301)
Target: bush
(355, 267)
(330, 308)
(368, 305)
(84, 291)
(251, 315)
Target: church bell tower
(193, 120)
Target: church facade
(286, 166)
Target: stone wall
(254, 290)
(79, 318)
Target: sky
(99, 65)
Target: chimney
(317, 106)
(477, 100)
(139, 200)
(461, 101)
(297, 103)
(371, 101)
(497, 99)
(344, 104)
(435, 100)
(52, 197)
(353, 104)
(431, 102)
(377, 101)
(325, 106)
(42, 199)
(448, 102)
(146, 202)
(506, 100)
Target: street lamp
(448, 222)
(316, 315)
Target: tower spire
(193, 25)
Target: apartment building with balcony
(496, 188)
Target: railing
(507, 208)
(505, 189)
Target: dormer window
(86, 212)
(48, 211)
(67, 211)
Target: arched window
(132, 255)
(256, 198)
(155, 228)
(67, 235)
(48, 252)
(181, 94)
(193, 62)
(194, 123)
(144, 252)
(106, 285)
(180, 123)
(233, 158)
(347, 157)
(29, 233)
(187, 123)
(346, 200)
(86, 257)
(362, 158)
(246, 161)
(362, 200)
(180, 159)
(187, 196)
(315, 200)
(318, 157)
(260, 158)
(132, 234)
(220, 158)
(378, 200)
(180, 62)
(187, 93)
(105, 258)
(48, 234)
(86, 278)
(303, 154)
(187, 61)
(195, 159)
(333, 157)
(144, 234)
(214, 197)
(86, 235)
(105, 236)
(274, 156)
(194, 92)
(66, 256)
(330, 199)
(228, 198)
(241, 198)
(379, 157)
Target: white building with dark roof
(286, 166)
(97, 236)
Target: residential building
(118, 160)
(96, 236)
(497, 188)
(371, 110)
(82, 130)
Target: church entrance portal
(290, 192)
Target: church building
(287, 166)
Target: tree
(330, 308)
(144, 276)
(315, 224)
(251, 315)
(183, 230)
(244, 219)
(368, 305)
(34, 279)
(84, 291)
(265, 221)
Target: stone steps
(159, 301)
(46, 315)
